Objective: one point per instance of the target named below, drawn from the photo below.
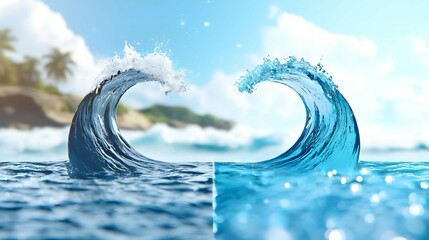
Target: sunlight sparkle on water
(375, 198)
(355, 187)
(336, 234)
(369, 218)
(388, 179)
(416, 209)
(359, 178)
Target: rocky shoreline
(26, 108)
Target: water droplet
(287, 185)
(369, 218)
(359, 178)
(424, 185)
(355, 187)
(416, 209)
(277, 233)
(343, 180)
(412, 197)
(364, 171)
(388, 179)
(284, 203)
(336, 234)
(375, 198)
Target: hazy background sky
(377, 53)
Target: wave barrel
(330, 139)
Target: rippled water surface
(376, 201)
(40, 200)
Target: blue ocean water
(318, 189)
(109, 190)
(378, 200)
(106, 189)
(39, 200)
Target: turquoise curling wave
(330, 139)
(95, 142)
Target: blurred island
(177, 116)
(27, 102)
(26, 107)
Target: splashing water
(95, 142)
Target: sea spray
(95, 141)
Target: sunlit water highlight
(378, 200)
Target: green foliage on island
(56, 66)
(27, 73)
(122, 109)
(181, 116)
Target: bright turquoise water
(378, 200)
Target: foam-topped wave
(330, 139)
(95, 141)
(196, 138)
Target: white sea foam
(38, 144)
(239, 137)
(50, 144)
(240, 143)
(157, 64)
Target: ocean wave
(330, 139)
(50, 144)
(239, 138)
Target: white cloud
(388, 106)
(385, 104)
(420, 48)
(38, 29)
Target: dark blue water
(41, 201)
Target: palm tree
(28, 72)
(6, 41)
(6, 67)
(58, 65)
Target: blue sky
(106, 25)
